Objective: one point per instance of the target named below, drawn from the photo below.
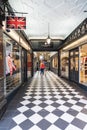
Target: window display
(10, 65)
(55, 62)
(28, 65)
(64, 64)
(13, 64)
(83, 64)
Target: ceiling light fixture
(48, 40)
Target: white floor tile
(36, 108)
(75, 93)
(82, 117)
(65, 92)
(37, 102)
(83, 101)
(25, 102)
(72, 101)
(48, 97)
(72, 89)
(48, 102)
(68, 96)
(58, 96)
(50, 108)
(79, 96)
(51, 118)
(19, 118)
(63, 108)
(53, 127)
(72, 127)
(22, 109)
(35, 118)
(16, 128)
(27, 97)
(67, 117)
(77, 108)
(60, 101)
(35, 128)
(37, 97)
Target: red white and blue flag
(15, 22)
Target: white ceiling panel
(63, 16)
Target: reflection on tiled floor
(49, 103)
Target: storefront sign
(15, 22)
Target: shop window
(29, 65)
(64, 64)
(13, 64)
(83, 64)
(55, 62)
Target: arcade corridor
(47, 103)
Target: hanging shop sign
(15, 22)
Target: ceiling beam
(43, 40)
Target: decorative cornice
(80, 31)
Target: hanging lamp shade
(48, 40)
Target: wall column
(59, 73)
(3, 101)
(32, 66)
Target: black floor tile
(78, 123)
(44, 124)
(26, 125)
(72, 112)
(61, 124)
(29, 113)
(58, 112)
(43, 113)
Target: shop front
(78, 64)
(83, 64)
(3, 101)
(75, 57)
(12, 60)
(73, 64)
(16, 58)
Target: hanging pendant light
(48, 40)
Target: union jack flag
(15, 22)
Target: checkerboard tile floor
(50, 103)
